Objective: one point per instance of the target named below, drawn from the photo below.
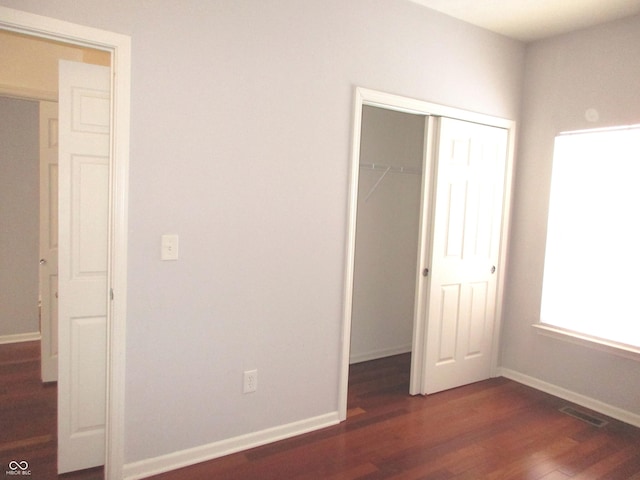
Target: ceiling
(529, 20)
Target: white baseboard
(19, 337)
(175, 460)
(577, 398)
(375, 354)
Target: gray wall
(19, 211)
(594, 68)
(240, 141)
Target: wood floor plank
(495, 429)
(605, 467)
(27, 443)
(555, 475)
(492, 429)
(28, 423)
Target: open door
(84, 132)
(48, 277)
(466, 240)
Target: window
(591, 283)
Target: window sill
(615, 348)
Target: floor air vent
(585, 417)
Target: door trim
(364, 96)
(120, 48)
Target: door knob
(43, 261)
(493, 269)
(425, 272)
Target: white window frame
(578, 337)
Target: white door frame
(120, 48)
(364, 96)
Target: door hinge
(111, 294)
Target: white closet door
(83, 239)
(466, 227)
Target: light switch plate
(169, 247)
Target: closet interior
(387, 232)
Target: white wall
(240, 143)
(19, 197)
(386, 234)
(595, 68)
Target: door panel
(83, 216)
(449, 323)
(478, 317)
(89, 226)
(49, 241)
(469, 189)
(88, 346)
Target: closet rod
(387, 169)
(392, 169)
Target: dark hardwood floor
(496, 429)
(28, 416)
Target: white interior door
(467, 221)
(84, 121)
(49, 241)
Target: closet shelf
(385, 170)
(392, 169)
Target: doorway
(29, 76)
(118, 46)
(40, 80)
(437, 150)
(19, 220)
(387, 227)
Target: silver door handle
(493, 269)
(43, 261)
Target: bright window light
(592, 262)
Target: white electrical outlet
(169, 247)
(250, 383)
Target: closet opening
(386, 244)
(429, 198)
